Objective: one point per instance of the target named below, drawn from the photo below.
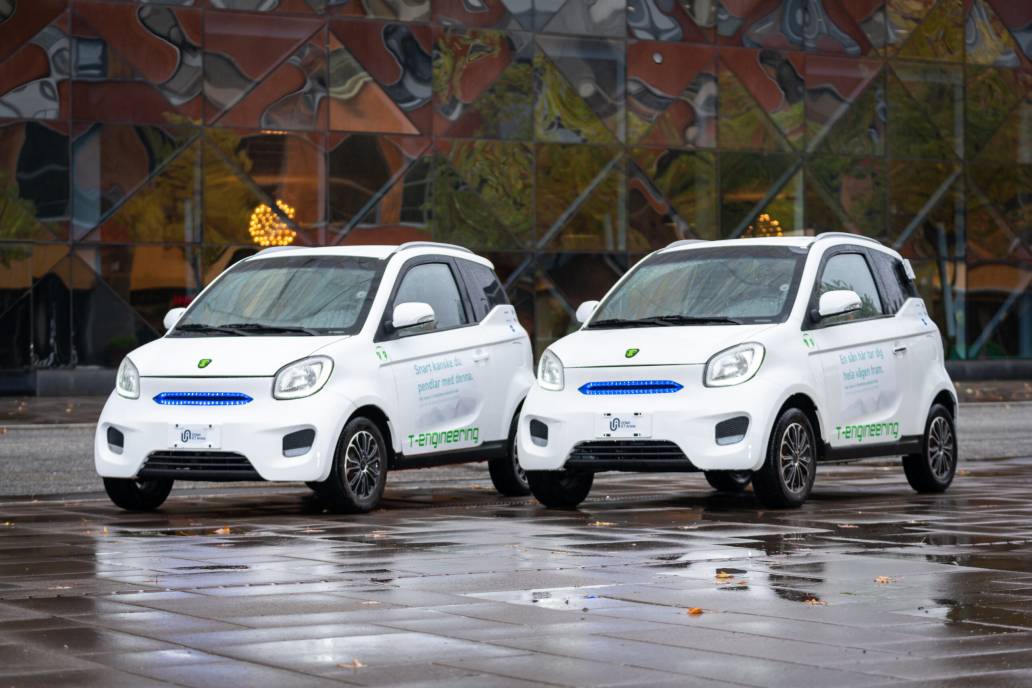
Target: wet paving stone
(656, 581)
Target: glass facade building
(146, 146)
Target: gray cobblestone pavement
(655, 581)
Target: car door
(915, 339)
(437, 369)
(861, 382)
(498, 331)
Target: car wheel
(560, 489)
(138, 495)
(729, 481)
(933, 469)
(508, 476)
(359, 473)
(788, 472)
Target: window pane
(850, 271)
(895, 284)
(434, 284)
(330, 294)
(484, 289)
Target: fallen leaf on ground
(814, 602)
(884, 580)
(353, 664)
(224, 530)
(695, 611)
(601, 524)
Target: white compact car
(751, 360)
(324, 365)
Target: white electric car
(323, 365)
(750, 359)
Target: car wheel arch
(377, 416)
(947, 399)
(805, 403)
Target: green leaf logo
(203, 363)
(631, 353)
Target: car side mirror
(412, 314)
(585, 310)
(172, 317)
(838, 302)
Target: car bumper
(254, 430)
(687, 418)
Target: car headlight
(127, 379)
(550, 372)
(302, 378)
(734, 366)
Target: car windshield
(703, 286)
(288, 295)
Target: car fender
(515, 396)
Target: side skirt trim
(907, 445)
(486, 451)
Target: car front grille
(629, 455)
(198, 465)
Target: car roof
(378, 251)
(828, 239)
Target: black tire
(138, 495)
(788, 472)
(934, 468)
(560, 489)
(359, 473)
(507, 475)
(729, 481)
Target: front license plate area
(194, 436)
(630, 424)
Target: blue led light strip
(630, 387)
(202, 399)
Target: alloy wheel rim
(521, 474)
(362, 464)
(941, 450)
(796, 457)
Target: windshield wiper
(261, 328)
(614, 323)
(201, 328)
(691, 320)
(664, 320)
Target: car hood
(655, 345)
(252, 356)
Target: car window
(485, 291)
(850, 271)
(433, 283)
(745, 284)
(273, 296)
(898, 287)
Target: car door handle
(899, 350)
(477, 358)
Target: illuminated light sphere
(766, 226)
(269, 229)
